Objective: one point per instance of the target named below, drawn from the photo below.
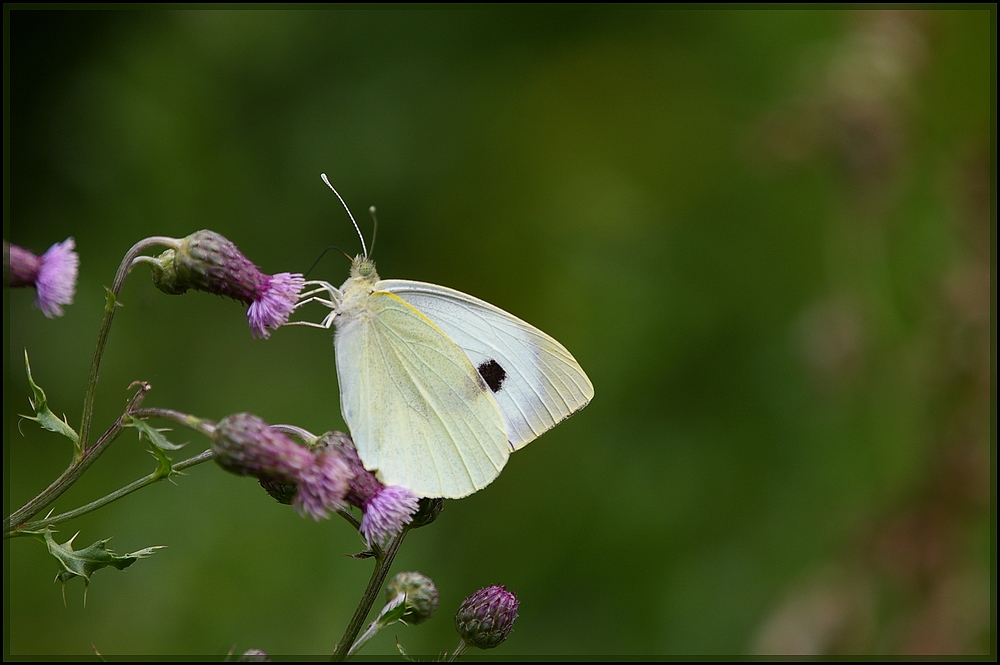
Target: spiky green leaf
(153, 435)
(43, 415)
(84, 563)
(392, 612)
(164, 465)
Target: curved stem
(351, 519)
(105, 500)
(303, 435)
(200, 425)
(384, 563)
(102, 336)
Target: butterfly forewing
(536, 382)
(420, 415)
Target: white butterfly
(438, 387)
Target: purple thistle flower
(322, 486)
(386, 513)
(486, 618)
(274, 304)
(245, 445)
(207, 261)
(387, 510)
(53, 274)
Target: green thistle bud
(421, 596)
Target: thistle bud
(281, 492)
(207, 261)
(486, 617)
(428, 510)
(53, 274)
(245, 445)
(421, 596)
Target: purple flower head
(207, 261)
(274, 304)
(387, 513)
(53, 274)
(245, 445)
(322, 486)
(386, 509)
(486, 618)
(420, 593)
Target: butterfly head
(363, 268)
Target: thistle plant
(319, 475)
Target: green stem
(102, 336)
(384, 563)
(462, 647)
(351, 519)
(18, 520)
(200, 425)
(73, 472)
(114, 496)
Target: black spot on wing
(493, 374)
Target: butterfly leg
(324, 324)
(314, 295)
(320, 288)
(322, 301)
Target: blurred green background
(766, 235)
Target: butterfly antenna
(322, 254)
(363, 247)
(371, 211)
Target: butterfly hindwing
(420, 414)
(536, 382)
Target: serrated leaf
(393, 611)
(43, 415)
(84, 563)
(164, 465)
(153, 435)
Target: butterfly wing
(419, 413)
(536, 382)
